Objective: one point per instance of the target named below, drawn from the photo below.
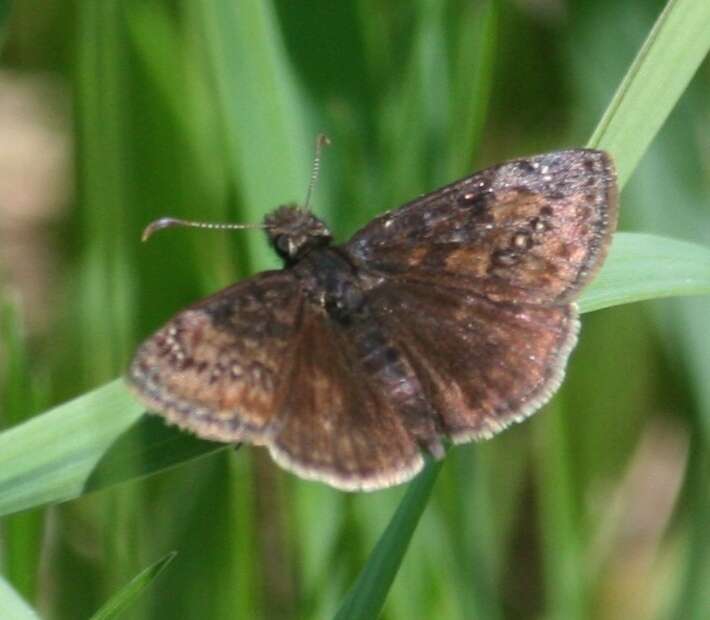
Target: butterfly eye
(282, 244)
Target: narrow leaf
(642, 266)
(95, 440)
(370, 590)
(12, 605)
(261, 107)
(85, 444)
(132, 590)
(660, 73)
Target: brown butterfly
(446, 319)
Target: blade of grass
(132, 590)
(20, 397)
(12, 605)
(261, 109)
(83, 445)
(472, 82)
(104, 284)
(642, 266)
(79, 447)
(660, 73)
(370, 590)
(566, 587)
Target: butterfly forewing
(220, 367)
(529, 230)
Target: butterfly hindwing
(339, 424)
(481, 365)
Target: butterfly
(442, 321)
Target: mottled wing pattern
(482, 365)
(339, 426)
(221, 367)
(529, 230)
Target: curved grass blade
(132, 590)
(642, 266)
(12, 605)
(368, 595)
(660, 73)
(92, 442)
(86, 444)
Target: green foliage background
(596, 508)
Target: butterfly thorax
(331, 282)
(293, 232)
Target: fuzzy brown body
(446, 319)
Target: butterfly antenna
(321, 141)
(172, 222)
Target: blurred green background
(113, 113)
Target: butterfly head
(293, 232)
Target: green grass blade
(132, 590)
(86, 444)
(668, 59)
(642, 266)
(90, 442)
(370, 590)
(12, 605)
(261, 109)
(20, 398)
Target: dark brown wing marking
(530, 230)
(219, 368)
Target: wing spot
(505, 258)
(564, 251)
(522, 241)
(584, 213)
(477, 200)
(539, 226)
